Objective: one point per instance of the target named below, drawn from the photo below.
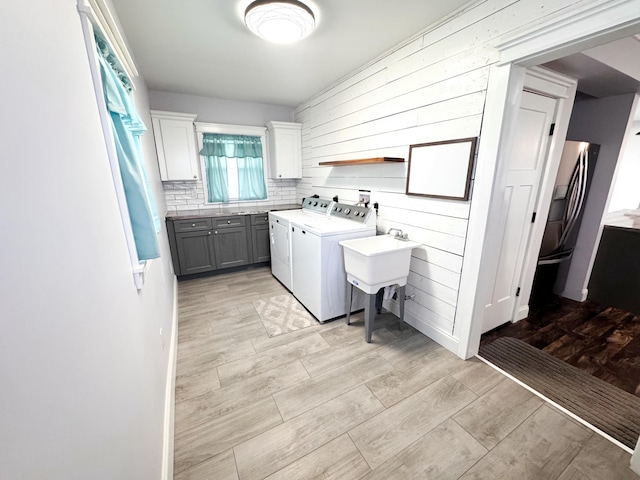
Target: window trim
(227, 129)
(95, 15)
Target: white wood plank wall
(432, 88)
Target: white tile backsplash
(189, 195)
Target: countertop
(625, 219)
(214, 212)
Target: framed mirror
(441, 169)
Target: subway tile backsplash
(191, 196)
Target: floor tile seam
(344, 365)
(322, 372)
(327, 401)
(213, 364)
(420, 438)
(235, 462)
(332, 398)
(176, 472)
(308, 454)
(422, 387)
(507, 435)
(579, 450)
(244, 358)
(429, 354)
(348, 433)
(232, 447)
(209, 418)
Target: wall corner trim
(170, 390)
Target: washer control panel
(352, 212)
(318, 205)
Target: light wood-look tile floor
(322, 403)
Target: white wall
(603, 121)
(82, 366)
(191, 195)
(216, 110)
(626, 193)
(432, 88)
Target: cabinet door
(176, 147)
(231, 247)
(285, 149)
(195, 252)
(260, 239)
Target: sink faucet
(399, 235)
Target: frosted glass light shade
(279, 21)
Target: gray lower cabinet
(195, 252)
(215, 243)
(260, 238)
(231, 247)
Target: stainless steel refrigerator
(565, 213)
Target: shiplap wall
(432, 88)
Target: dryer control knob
(347, 211)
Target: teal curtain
(251, 179)
(217, 178)
(127, 127)
(216, 148)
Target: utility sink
(375, 262)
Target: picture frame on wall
(441, 169)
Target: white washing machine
(280, 234)
(318, 275)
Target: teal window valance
(231, 146)
(233, 167)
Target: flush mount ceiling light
(279, 21)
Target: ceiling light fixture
(279, 21)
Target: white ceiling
(202, 47)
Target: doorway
(587, 28)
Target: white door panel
(520, 191)
(280, 252)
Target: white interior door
(526, 164)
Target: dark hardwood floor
(604, 341)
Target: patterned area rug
(283, 314)
(608, 408)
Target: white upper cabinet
(176, 145)
(285, 149)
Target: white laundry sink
(375, 262)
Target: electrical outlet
(364, 196)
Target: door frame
(588, 24)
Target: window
(112, 71)
(232, 163)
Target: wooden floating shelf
(364, 161)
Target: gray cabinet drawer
(260, 219)
(192, 225)
(223, 222)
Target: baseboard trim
(578, 296)
(523, 312)
(170, 397)
(443, 338)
